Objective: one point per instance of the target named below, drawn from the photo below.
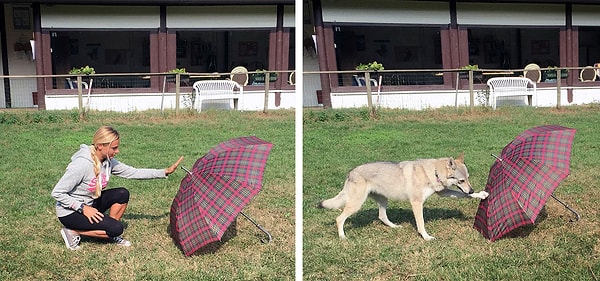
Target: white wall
(253, 101)
(510, 14)
(66, 16)
(586, 15)
(546, 97)
(221, 16)
(386, 11)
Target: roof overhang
(153, 2)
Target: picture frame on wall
(21, 20)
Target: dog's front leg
(459, 194)
(417, 207)
(452, 193)
(481, 195)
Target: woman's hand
(92, 214)
(173, 167)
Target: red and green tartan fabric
(520, 182)
(221, 183)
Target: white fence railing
(432, 88)
(126, 92)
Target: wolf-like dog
(408, 180)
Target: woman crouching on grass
(81, 198)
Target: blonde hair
(104, 135)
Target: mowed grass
(37, 146)
(335, 141)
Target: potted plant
(84, 70)
(79, 71)
(362, 68)
(374, 66)
(467, 68)
(172, 74)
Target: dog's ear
(461, 158)
(451, 164)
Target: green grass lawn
(37, 146)
(335, 141)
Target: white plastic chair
(360, 81)
(587, 74)
(218, 90)
(239, 74)
(533, 72)
(292, 78)
(73, 84)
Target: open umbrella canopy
(215, 191)
(522, 179)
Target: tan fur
(413, 181)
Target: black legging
(112, 227)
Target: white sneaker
(71, 238)
(120, 241)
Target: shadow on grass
(211, 247)
(398, 216)
(144, 216)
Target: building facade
(421, 35)
(130, 36)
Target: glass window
(589, 46)
(105, 51)
(221, 51)
(396, 47)
(513, 48)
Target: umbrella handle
(263, 240)
(499, 159)
(186, 170)
(577, 217)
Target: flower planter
(551, 74)
(259, 78)
(184, 78)
(465, 75)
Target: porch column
(569, 49)
(322, 53)
(39, 61)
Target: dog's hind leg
(352, 206)
(382, 202)
(417, 207)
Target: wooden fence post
(369, 94)
(266, 103)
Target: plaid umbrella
(522, 179)
(215, 191)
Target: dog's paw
(481, 195)
(428, 238)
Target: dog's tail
(337, 202)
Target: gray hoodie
(78, 183)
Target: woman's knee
(123, 195)
(114, 229)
